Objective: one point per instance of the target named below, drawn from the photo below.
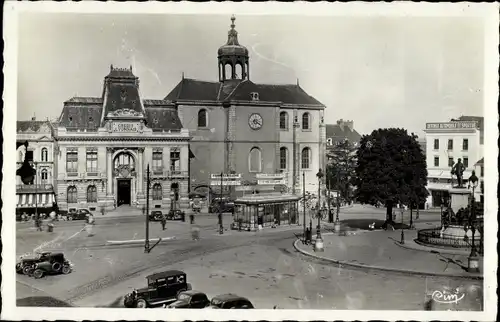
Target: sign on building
(451, 125)
(228, 179)
(271, 178)
(125, 127)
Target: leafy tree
(340, 171)
(391, 169)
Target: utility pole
(37, 218)
(221, 227)
(304, 199)
(146, 242)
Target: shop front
(254, 211)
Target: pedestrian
(90, 224)
(163, 221)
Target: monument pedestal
(459, 199)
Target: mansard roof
(196, 90)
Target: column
(140, 172)
(109, 169)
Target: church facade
(238, 126)
(105, 144)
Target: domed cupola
(233, 57)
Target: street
(262, 266)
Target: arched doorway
(124, 173)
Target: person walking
(163, 221)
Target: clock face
(255, 121)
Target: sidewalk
(381, 250)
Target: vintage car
(52, 263)
(78, 214)
(155, 215)
(190, 300)
(162, 287)
(230, 301)
(26, 262)
(176, 214)
(221, 205)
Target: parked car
(53, 263)
(25, 264)
(176, 214)
(155, 215)
(218, 205)
(79, 214)
(230, 301)
(190, 300)
(162, 287)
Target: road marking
(137, 241)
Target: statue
(458, 170)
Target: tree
(391, 169)
(340, 171)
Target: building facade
(105, 145)
(446, 142)
(35, 143)
(248, 128)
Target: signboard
(274, 182)
(125, 127)
(225, 183)
(270, 175)
(226, 176)
(451, 125)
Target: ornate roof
(195, 90)
(232, 46)
(34, 126)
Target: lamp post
(304, 202)
(473, 260)
(147, 249)
(221, 227)
(318, 245)
(402, 222)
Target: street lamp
(318, 245)
(473, 260)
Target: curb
(433, 249)
(380, 268)
(137, 241)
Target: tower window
(306, 121)
(45, 155)
(255, 160)
(283, 158)
(465, 145)
(202, 118)
(44, 175)
(92, 194)
(436, 144)
(284, 121)
(450, 144)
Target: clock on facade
(255, 121)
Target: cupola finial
(233, 18)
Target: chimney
(33, 118)
(350, 124)
(341, 124)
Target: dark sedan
(190, 300)
(230, 301)
(155, 215)
(80, 214)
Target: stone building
(104, 145)
(37, 195)
(241, 126)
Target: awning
(191, 154)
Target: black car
(190, 300)
(155, 215)
(25, 265)
(176, 214)
(80, 214)
(221, 206)
(230, 301)
(162, 287)
(46, 263)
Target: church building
(239, 126)
(105, 144)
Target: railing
(34, 187)
(432, 236)
(177, 174)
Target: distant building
(336, 133)
(446, 142)
(423, 145)
(38, 196)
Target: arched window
(283, 121)
(306, 121)
(255, 160)
(45, 155)
(306, 158)
(44, 175)
(283, 158)
(202, 118)
(228, 69)
(72, 196)
(92, 194)
(157, 195)
(124, 159)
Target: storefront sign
(270, 176)
(226, 176)
(452, 125)
(126, 127)
(225, 183)
(272, 182)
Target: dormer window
(70, 119)
(155, 121)
(254, 96)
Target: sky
(376, 71)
